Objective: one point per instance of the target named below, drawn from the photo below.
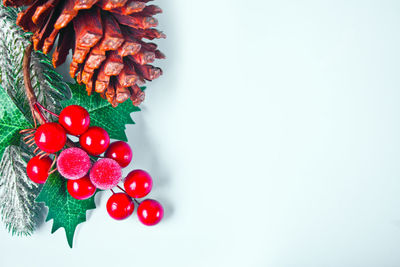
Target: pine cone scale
(111, 4)
(88, 28)
(84, 4)
(64, 45)
(109, 54)
(130, 8)
(43, 11)
(113, 37)
(67, 15)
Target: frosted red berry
(38, 168)
(73, 163)
(81, 188)
(150, 212)
(121, 152)
(138, 183)
(95, 140)
(120, 206)
(50, 137)
(75, 119)
(105, 174)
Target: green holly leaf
(102, 114)
(65, 211)
(12, 120)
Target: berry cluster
(84, 176)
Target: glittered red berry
(150, 212)
(120, 206)
(105, 174)
(121, 152)
(81, 188)
(38, 168)
(95, 140)
(75, 119)
(138, 184)
(50, 137)
(73, 163)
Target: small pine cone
(106, 37)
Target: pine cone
(109, 55)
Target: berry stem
(134, 199)
(44, 154)
(30, 139)
(40, 113)
(45, 109)
(28, 136)
(53, 171)
(27, 131)
(121, 188)
(112, 191)
(54, 161)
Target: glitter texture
(105, 174)
(73, 163)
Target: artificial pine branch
(48, 85)
(19, 211)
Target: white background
(273, 139)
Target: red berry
(105, 174)
(73, 163)
(120, 152)
(150, 212)
(95, 140)
(81, 188)
(120, 206)
(138, 184)
(50, 137)
(38, 169)
(75, 119)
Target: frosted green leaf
(11, 122)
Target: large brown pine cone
(106, 37)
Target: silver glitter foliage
(18, 209)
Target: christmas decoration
(38, 169)
(50, 137)
(74, 119)
(40, 165)
(81, 188)
(150, 212)
(95, 140)
(102, 114)
(19, 212)
(120, 206)
(109, 54)
(73, 163)
(105, 174)
(138, 184)
(48, 85)
(120, 152)
(64, 210)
